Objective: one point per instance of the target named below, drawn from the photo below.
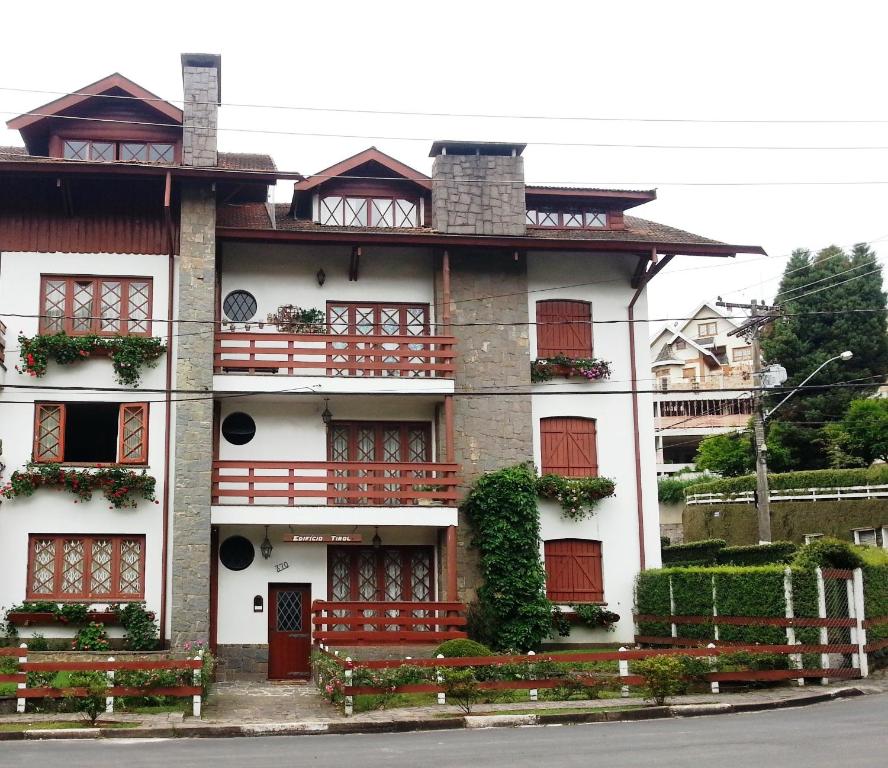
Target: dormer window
(124, 151)
(348, 211)
(566, 219)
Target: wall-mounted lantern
(265, 547)
(326, 416)
(322, 277)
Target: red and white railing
(334, 354)
(337, 483)
(382, 623)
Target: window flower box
(590, 369)
(35, 618)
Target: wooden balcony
(334, 483)
(386, 623)
(333, 354)
(2, 344)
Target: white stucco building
(338, 371)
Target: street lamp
(846, 355)
(761, 449)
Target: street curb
(552, 717)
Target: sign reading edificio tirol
(324, 538)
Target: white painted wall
(605, 280)
(48, 511)
(286, 274)
(238, 624)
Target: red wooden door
(289, 631)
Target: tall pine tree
(802, 341)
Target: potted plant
(425, 501)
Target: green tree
(802, 340)
(732, 455)
(862, 435)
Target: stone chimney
(202, 86)
(478, 188)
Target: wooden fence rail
(386, 623)
(191, 667)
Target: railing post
(349, 700)
(439, 678)
(624, 672)
(23, 659)
(713, 685)
(673, 626)
(109, 699)
(534, 693)
(795, 659)
(860, 616)
(196, 699)
(714, 612)
(821, 613)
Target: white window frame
(858, 531)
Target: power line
(426, 139)
(473, 115)
(833, 285)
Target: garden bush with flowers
(129, 354)
(121, 487)
(576, 495)
(589, 368)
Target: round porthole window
(239, 306)
(238, 428)
(236, 553)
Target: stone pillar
(494, 430)
(479, 191)
(202, 86)
(194, 418)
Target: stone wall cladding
(242, 662)
(194, 420)
(201, 88)
(478, 195)
(493, 431)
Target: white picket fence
(794, 494)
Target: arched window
(568, 446)
(573, 571)
(564, 328)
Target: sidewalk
(257, 709)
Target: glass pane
(331, 210)
(49, 432)
(367, 576)
(83, 306)
(239, 306)
(160, 153)
(548, 219)
(138, 306)
(355, 212)
(596, 219)
(43, 580)
(530, 218)
(381, 213)
(421, 576)
(405, 213)
(133, 433)
(110, 315)
(100, 567)
(102, 150)
(72, 567)
(131, 567)
(76, 150)
(133, 152)
(54, 304)
(572, 219)
(289, 611)
(364, 321)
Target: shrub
(595, 615)
(141, 630)
(671, 490)
(664, 677)
(461, 648)
(828, 553)
(816, 478)
(577, 496)
(93, 703)
(693, 553)
(757, 554)
(37, 642)
(461, 687)
(92, 637)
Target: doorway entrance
(289, 631)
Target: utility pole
(759, 316)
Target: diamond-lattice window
(100, 570)
(289, 610)
(104, 306)
(43, 573)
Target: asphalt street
(847, 733)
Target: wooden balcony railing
(334, 355)
(383, 623)
(2, 343)
(337, 483)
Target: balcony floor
(319, 514)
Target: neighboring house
(692, 362)
(301, 455)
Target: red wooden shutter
(568, 446)
(573, 571)
(132, 434)
(49, 433)
(564, 328)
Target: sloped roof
(369, 155)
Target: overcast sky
(790, 61)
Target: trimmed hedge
(693, 553)
(671, 490)
(816, 478)
(757, 554)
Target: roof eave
(78, 167)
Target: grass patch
(58, 725)
(560, 710)
(157, 709)
(7, 689)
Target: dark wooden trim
(214, 587)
